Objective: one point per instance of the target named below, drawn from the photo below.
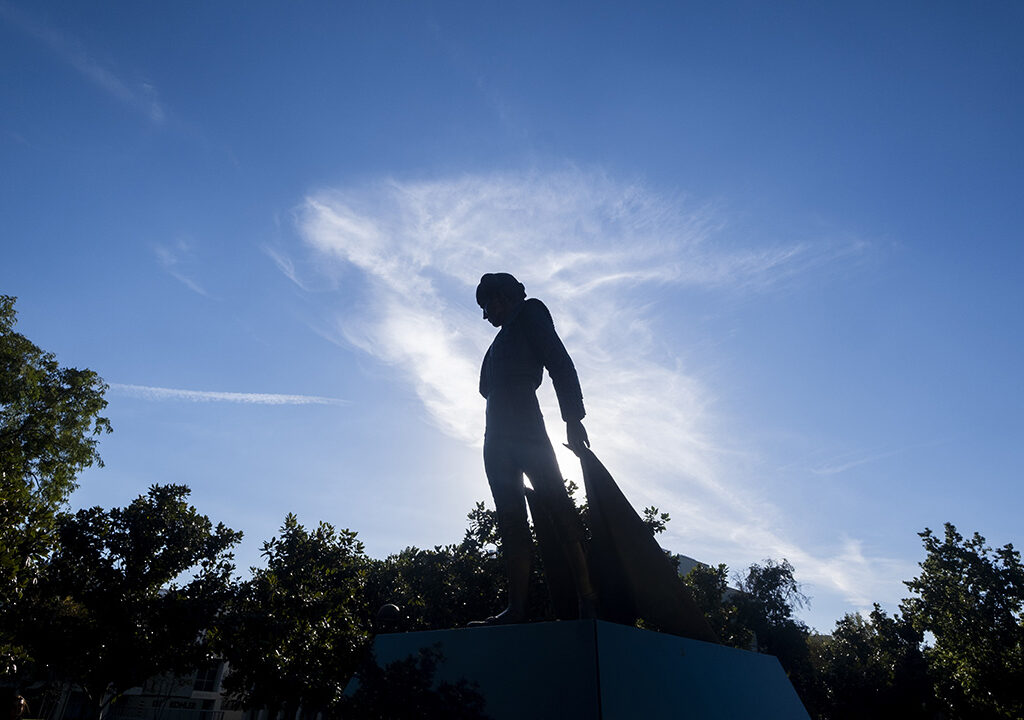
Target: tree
(771, 593)
(718, 602)
(444, 587)
(656, 520)
(451, 585)
(107, 612)
(971, 599)
(297, 630)
(872, 667)
(50, 425)
(768, 596)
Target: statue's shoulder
(532, 307)
(534, 319)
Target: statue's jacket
(513, 369)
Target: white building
(197, 696)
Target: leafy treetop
(50, 425)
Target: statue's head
(497, 295)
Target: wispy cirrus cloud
(140, 95)
(850, 460)
(596, 250)
(285, 264)
(178, 259)
(146, 392)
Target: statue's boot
(518, 566)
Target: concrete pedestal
(595, 670)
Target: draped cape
(633, 576)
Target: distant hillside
(686, 563)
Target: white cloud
(850, 460)
(146, 392)
(177, 259)
(841, 466)
(596, 251)
(285, 264)
(140, 96)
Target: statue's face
(496, 310)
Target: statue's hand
(576, 435)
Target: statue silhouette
(516, 441)
(633, 575)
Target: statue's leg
(541, 467)
(581, 576)
(505, 477)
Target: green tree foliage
(50, 424)
(971, 599)
(769, 595)
(656, 520)
(713, 596)
(444, 587)
(448, 586)
(297, 629)
(110, 608)
(872, 667)
(759, 615)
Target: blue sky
(781, 241)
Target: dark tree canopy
(772, 589)
(297, 630)
(50, 425)
(49, 415)
(710, 589)
(872, 667)
(971, 599)
(113, 607)
(769, 596)
(448, 586)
